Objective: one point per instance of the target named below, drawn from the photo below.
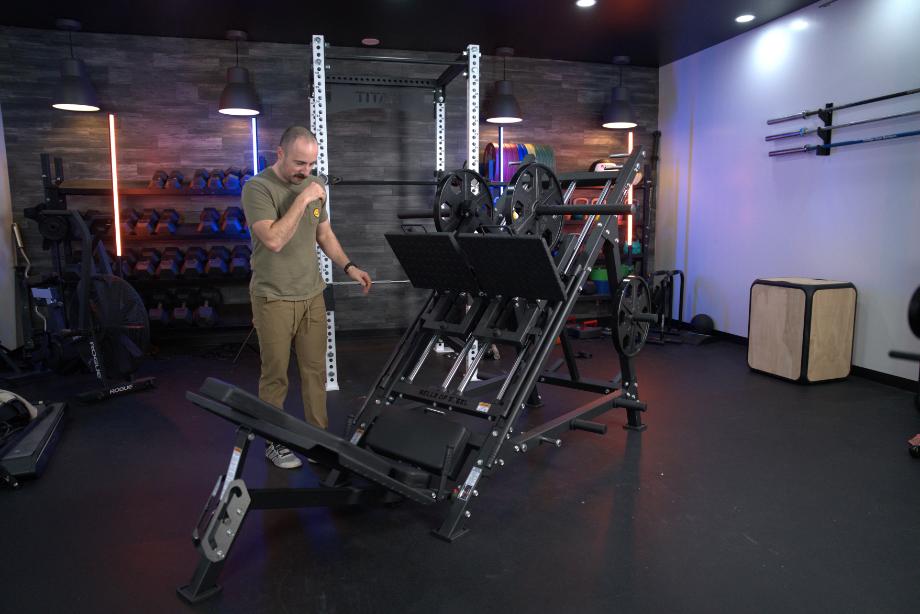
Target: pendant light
(504, 107)
(74, 91)
(619, 113)
(239, 96)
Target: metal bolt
(250, 436)
(229, 532)
(467, 513)
(479, 463)
(494, 433)
(523, 447)
(517, 448)
(220, 553)
(377, 401)
(501, 462)
(434, 495)
(239, 512)
(475, 493)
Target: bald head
(292, 134)
(296, 154)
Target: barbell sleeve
(791, 150)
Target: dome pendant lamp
(74, 91)
(619, 114)
(504, 107)
(239, 96)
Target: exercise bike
(93, 318)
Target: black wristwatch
(348, 266)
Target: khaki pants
(279, 323)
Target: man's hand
(361, 277)
(313, 192)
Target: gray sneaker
(281, 456)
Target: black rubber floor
(745, 494)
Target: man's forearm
(332, 248)
(283, 229)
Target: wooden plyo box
(802, 329)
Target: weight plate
(632, 298)
(533, 185)
(462, 202)
(913, 312)
(54, 227)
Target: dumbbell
(158, 181)
(182, 315)
(205, 315)
(147, 222)
(232, 178)
(174, 180)
(195, 260)
(199, 179)
(171, 263)
(128, 260)
(147, 263)
(232, 220)
(129, 219)
(209, 220)
(239, 261)
(187, 300)
(168, 222)
(246, 176)
(158, 316)
(218, 262)
(216, 180)
(211, 294)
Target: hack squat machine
(502, 273)
(505, 272)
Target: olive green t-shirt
(293, 273)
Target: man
(285, 207)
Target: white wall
(728, 213)
(9, 333)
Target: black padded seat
(418, 437)
(243, 408)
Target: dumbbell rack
(235, 315)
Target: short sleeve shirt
(293, 273)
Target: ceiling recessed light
(370, 41)
(744, 18)
(585, 3)
(799, 24)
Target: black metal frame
(543, 323)
(529, 326)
